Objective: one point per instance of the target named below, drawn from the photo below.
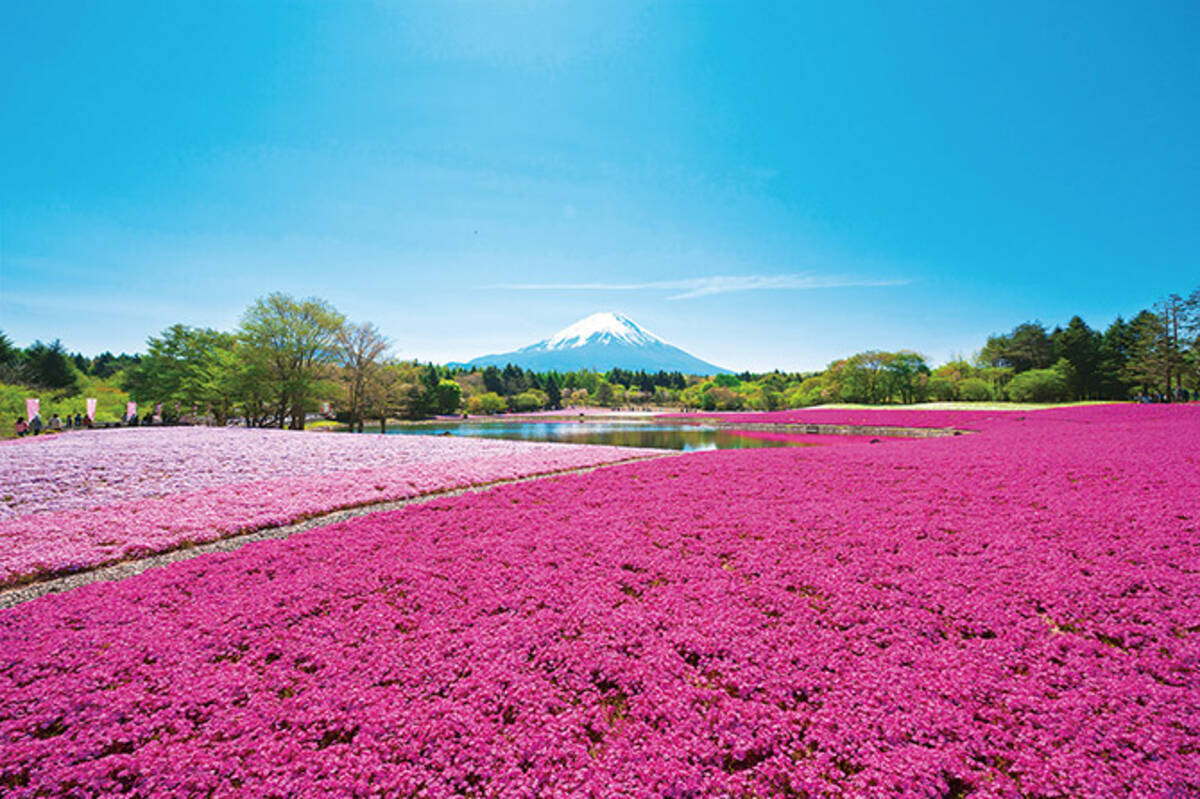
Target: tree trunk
(383, 424)
(297, 415)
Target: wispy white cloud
(689, 288)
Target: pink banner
(31, 408)
(130, 409)
(158, 409)
(91, 408)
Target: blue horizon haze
(763, 185)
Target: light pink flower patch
(1010, 614)
(84, 499)
(98, 467)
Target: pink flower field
(1009, 614)
(964, 420)
(98, 467)
(84, 499)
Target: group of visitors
(133, 421)
(56, 424)
(1178, 395)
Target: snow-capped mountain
(599, 328)
(601, 341)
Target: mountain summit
(599, 328)
(601, 342)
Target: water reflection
(686, 437)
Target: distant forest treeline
(289, 358)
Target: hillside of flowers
(1009, 614)
(84, 499)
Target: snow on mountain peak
(600, 328)
(601, 341)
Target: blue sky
(766, 185)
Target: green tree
(48, 366)
(296, 339)
(1026, 347)
(359, 348)
(10, 360)
(449, 396)
(553, 392)
(809, 391)
(997, 377)
(492, 380)
(1156, 362)
(487, 403)
(190, 366)
(974, 389)
(530, 400)
(942, 388)
(8, 353)
(1191, 333)
(227, 379)
(693, 395)
(943, 382)
(761, 397)
(1080, 346)
(400, 391)
(1113, 367)
(250, 384)
(106, 364)
(515, 380)
(604, 393)
(721, 398)
(907, 373)
(428, 378)
(584, 379)
(392, 389)
(863, 377)
(1040, 385)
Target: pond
(657, 435)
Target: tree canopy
(288, 358)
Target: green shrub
(1039, 385)
(531, 400)
(973, 389)
(719, 398)
(488, 403)
(942, 389)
